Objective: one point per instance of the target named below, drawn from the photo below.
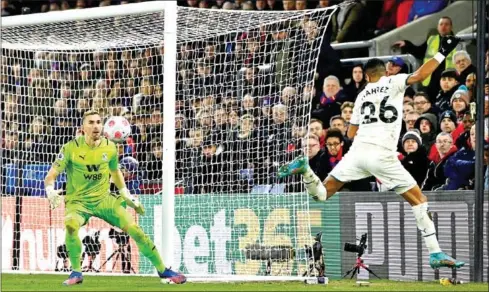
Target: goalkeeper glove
(53, 197)
(447, 44)
(132, 201)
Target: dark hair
(337, 117)
(423, 94)
(447, 18)
(374, 66)
(334, 133)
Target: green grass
(14, 282)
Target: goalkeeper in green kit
(90, 161)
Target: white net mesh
(245, 81)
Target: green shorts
(110, 209)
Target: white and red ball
(117, 129)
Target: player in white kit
(375, 128)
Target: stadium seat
(11, 178)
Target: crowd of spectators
(242, 107)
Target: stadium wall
(210, 239)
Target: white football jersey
(378, 111)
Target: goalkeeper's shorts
(110, 209)
(364, 160)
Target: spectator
(279, 136)
(336, 149)
(283, 54)
(10, 148)
(261, 5)
(39, 144)
(448, 122)
(422, 8)
(356, 84)
(460, 167)
(460, 103)
(316, 128)
(408, 108)
(427, 50)
(300, 4)
(228, 6)
(347, 111)
(246, 153)
(394, 66)
(422, 103)
(414, 157)
(330, 100)
(337, 122)
(212, 174)
(435, 176)
(318, 158)
(344, 25)
(274, 5)
(470, 83)
(411, 119)
(463, 65)
(427, 125)
(448, 84)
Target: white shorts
(364, 160)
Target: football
(117, 129)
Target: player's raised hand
(53, 197)
(132, 201)
(448, 43)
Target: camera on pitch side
(360, 248)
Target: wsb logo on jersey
(95, 176)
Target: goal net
(244, 85)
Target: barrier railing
(370, 44)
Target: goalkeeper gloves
(132, 201)
(53, 197)
(447, 44)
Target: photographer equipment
(359, 250)
(316, 259)
(123, 251)
(280, 253)
(92, 249)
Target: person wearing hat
(448, 85)
(460, 103)
(413, 156)
(427, 125)
(394, 65)
(444, 149)
(448, 122)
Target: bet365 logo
(94, 176)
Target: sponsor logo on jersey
(93, 176)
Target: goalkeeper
(89, 160)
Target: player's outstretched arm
(448, 44)
(133, 202)
(52, 194)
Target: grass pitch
(16, 282)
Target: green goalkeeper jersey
(87, 169)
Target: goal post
(218, 100)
